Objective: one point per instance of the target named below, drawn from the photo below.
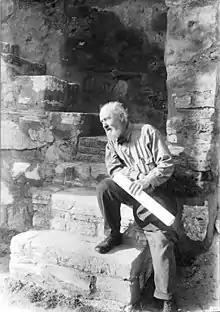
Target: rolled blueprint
(147, 201)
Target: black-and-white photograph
(110, 156)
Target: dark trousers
(110, 196)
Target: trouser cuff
(163, 296)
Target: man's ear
(122, 117)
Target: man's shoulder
(144, 128)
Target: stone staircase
(58, 250)
(58, 253)
(19, 65)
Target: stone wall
(39, 147)
(192, 56)
(33, 148)
(114, 50)
(119, 47)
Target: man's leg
(164, 264)
(110, 196)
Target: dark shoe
(108, 244)
(168, 306)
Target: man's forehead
(106, 111)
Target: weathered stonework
(60, 147)
(62, 41)
(191, 57)
(38, 150)
(34, 257)
(41, 93)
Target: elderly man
(140, 153)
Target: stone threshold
(68, 262)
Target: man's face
(113, 124)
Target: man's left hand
(138, 186)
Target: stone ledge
(45, 91)
(85, 124)
(90, 158)
(31, 131)
(80, 173)
(192, 175)
(9, 48)
(77, 210)
(95, 142)
(70, 262)
(90, 150)
(23, 66)
(73, 209)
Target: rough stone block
(75, 172)
(82, 171)
(13, 138)
(84, 225)
(6, 194)
(187, 179)
(41, 196)
(41, 218)
(217, 221)
(76, 282)
(201, 157)
(77, 210)
(90, 158)
(21, 66)
(33, 173)
(3, 215)
(64, 173)
(192, 124)
(95, 142)
(197, 31)
(195, 220)
(195, 156)
(9, 48)
(43, 92)
(19, 215)
(200, 94)
(7, 8)
(71, 263)
(60, 151)
(82, 124)
(90, 151)
(37, 129)
(19, 168)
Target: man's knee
(105, 185)
(159, 240)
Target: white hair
(117, 108)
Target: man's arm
(115, 164)
(164, 165)
(162, 159)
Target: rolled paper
(146, 200)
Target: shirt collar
(126, 136)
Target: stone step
(79, 173)
(72, 209)
(45, 92)
(28, 132)
(69, 263)
(21, 66)
(91, 149)
(90, 158)
(94, 142)
(9, 48)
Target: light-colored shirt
(142, 150)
